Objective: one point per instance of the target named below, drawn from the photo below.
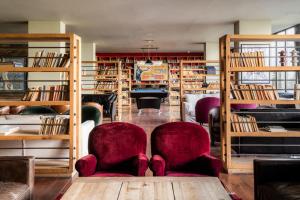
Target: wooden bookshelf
(194, 76)
(69, 76)
(101, 77)
(128, 61)
(234, 61)
(126, 87)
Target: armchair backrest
(116, 142)
(203, 107)
(179, 143)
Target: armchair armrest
(140, 163)
(86, 166)
(18, 169)
(158, 165)
(207, 164)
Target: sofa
(280, 145)
(56, 148)
(16, 177)
(188, 106)
(277, 179)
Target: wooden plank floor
(49, 188)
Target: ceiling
(174, 25)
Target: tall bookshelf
(259, 58)
(100, 77)
(199, 76)
(174, 84)
(126, 87)
(54, 79)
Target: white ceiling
(175, 25)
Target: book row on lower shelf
(54, 125)
(243, 123)
(254, 92)
(47, 93)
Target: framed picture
(256, 77)
(158, 71)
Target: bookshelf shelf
(236, 60)
(34, 103)
(266, 134)
(34, 137)
(233, 101)
(33, 69)
(265, 69)
(47, 53)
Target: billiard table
(148, 98)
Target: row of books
(247, 59)
(254, 92)
(47, 93)
(107, 70)
(243, 123)
(214, 85)
(51, 59)
(192, 85)
(107, 85)
(54, 125)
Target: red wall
(169, 54)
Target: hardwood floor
(242, 185)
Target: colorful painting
(158, 71)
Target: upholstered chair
(203, 106)
(115, 149)
(182, 149)
(16, 177)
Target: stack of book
(107, 70)
(213, 85)
(247, 59)
(254, 92)
(192, 85)
(102, 85)
(243, 123)
(47, 93)
(54, 125)
(51, 59)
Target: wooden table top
(146, 188)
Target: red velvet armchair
(115, 149)
(182, 149)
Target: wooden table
(147, 188)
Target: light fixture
(148, 47)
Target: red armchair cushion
(182, 147)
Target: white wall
(253, 27)
(88, 50)
(45, 27)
